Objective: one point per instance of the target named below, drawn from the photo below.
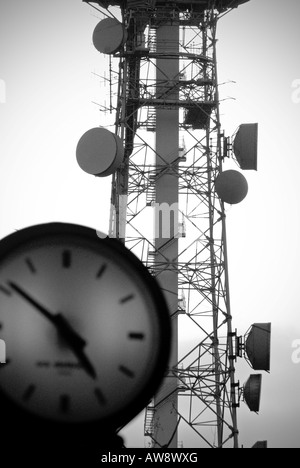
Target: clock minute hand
(58, 320)
(75, 342)
(32, 301)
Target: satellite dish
(252, 392)
(99, 152)
(223, 5)
(245, 146)
(106, 3)
(231, 186)
(258, 346)
(261, 445)
(109, 36)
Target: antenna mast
(168, 204)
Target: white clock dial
(81, 325)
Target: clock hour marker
(101, 271)
(64, 404)
(29, 392)
(136, 336)
(66, 258)
(5, 291)
(126, 372)
(100, 397)
(30, 265)
(127, 299)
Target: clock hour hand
(73, 339)
(75, 342)
(85, 362)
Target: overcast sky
(46, 91)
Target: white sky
(47, 60)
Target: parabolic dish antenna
(252, 392)
(263, 444)
(231, 186)
(99, 152)
(245, 146)
(258, 346)
(109, 36)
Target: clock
(86, 328)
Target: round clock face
(85, 324)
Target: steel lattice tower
(166, 209)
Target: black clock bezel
(17, 419)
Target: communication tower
(168, 195)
